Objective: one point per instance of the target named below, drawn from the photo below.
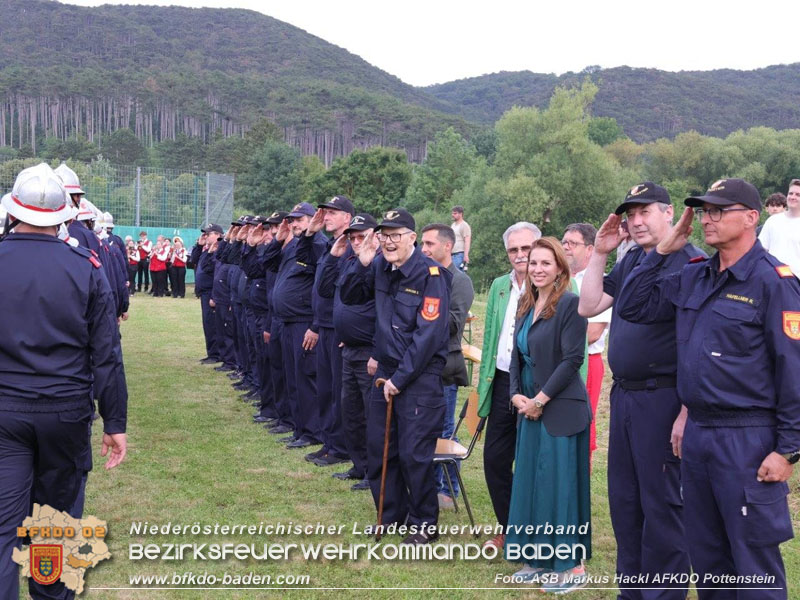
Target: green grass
(195, 456)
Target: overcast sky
(434, 41)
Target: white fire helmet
(3, 214)
(38, 197)
(109, 219)
(86, 211)
(63, 235)
(70, 179)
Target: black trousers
(356, 383)
(132, 269)
(499, 447)
(143, 273)
(209, 326)
(178, 281)
(159, 282)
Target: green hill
(168, 70)
(647, 103)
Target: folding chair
(448, 451)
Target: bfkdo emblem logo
(791, 324)
(46, 562)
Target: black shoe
(208, 360)
(351, 474)
(422, 537)
(361, 485)
(288, 439)
(223, 368)
(328, 460)
(278, 429)
(301, 443)
(316, 454)
(236, 374)
(242, 387)
(260, 419)
(247, 397)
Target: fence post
(138, 196)
(208, 195)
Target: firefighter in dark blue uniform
(334, 216)
(53, 353)
(291, 300)
(203, 284)
(412, 303)
(737, 321)
(354, 325)
(643, 474)
(221, 302)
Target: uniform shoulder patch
(430, 307)
(784, 271)
(95, 263)
(791, 324)
(433, 271)
(697, 259)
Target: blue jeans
(458, 259)
(450, 398)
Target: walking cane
(378, 383)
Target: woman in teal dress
(550, 506)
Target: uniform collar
(408, 266)
(40, 237)
(742, 268)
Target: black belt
(733, 417)
(655, 383)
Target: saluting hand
(316, 223)
(608, 237)
(118, 444)
(676, 239)
(255, 236)
(339, 246)
(366, 254)
(283, 231)
(242, 234)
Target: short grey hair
(521, 226)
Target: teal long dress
(551, 483)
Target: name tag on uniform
(739, 298)
(410, 291)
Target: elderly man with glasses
(412, 304)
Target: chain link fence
(146, 197)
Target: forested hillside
(647, 103)
(166, 71)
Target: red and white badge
(791, 324)
(430, 308)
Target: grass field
(195, 457)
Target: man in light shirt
(493, 382)
(578, 243)
(463, 233)
(780, 234)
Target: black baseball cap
(398, 217)
(304, 209)
(646, 192)
(212, 227)
(725, 192)
(255, 220)
(241, 221)
(276, 217)
(361, 222)
(339, 203)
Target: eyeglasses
(715, 214)
(392, 237)
(570, 244)
(356, 237)
(519, 250)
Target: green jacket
(495, 313)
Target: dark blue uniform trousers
(41, 455)
(239, 342)
(224, 322)
(735, 522)
(356, 383)
(300, 367)
(267, 408)
(209, 326)
(417, 421)
(277, 371)
(250, 348)
(644, 488)
(329, 391)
